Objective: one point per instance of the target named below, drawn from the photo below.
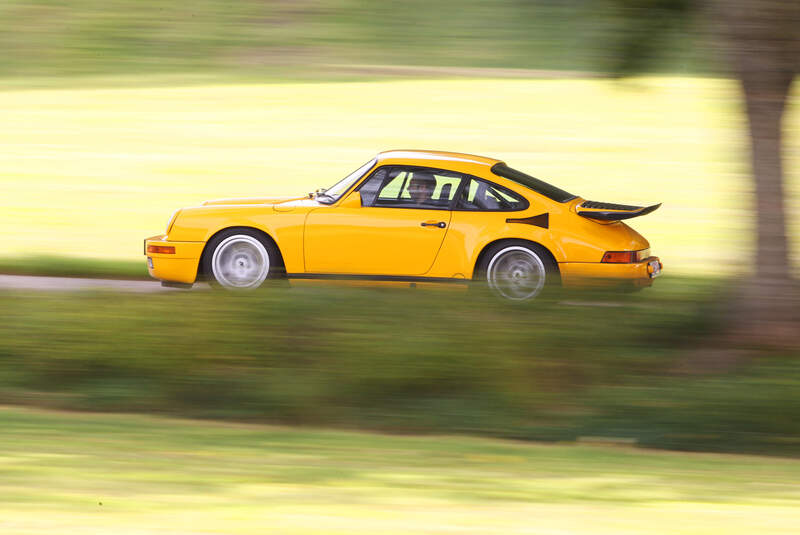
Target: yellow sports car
(413, 216)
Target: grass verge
(63, 266)
(424, 361)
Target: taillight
(161, 249)
(619, 257)
(625, 257)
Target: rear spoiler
(605, 211)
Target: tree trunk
(764, 115)
(767, 309)
(762, 39)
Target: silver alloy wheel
(516, 273)
(240, 262)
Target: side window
(394, 186)
(370, 188)
(484, 196)
(398, 187)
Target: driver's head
(421, 187)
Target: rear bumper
(180, 266)
(640, 274)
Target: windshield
(539, 186)
(331, 195)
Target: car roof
(474, 165)
(433, 158)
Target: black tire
(240, 258)
(517, 270)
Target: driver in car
(421, 187)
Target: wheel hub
(240, 261)
(516, 273)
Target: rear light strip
(625, 257)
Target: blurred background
(116, 113)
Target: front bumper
(180, 266)
(640, 274)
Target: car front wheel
(239, 259)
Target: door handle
(440, 224)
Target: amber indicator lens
(161, 249)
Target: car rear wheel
(517, 270)
(239, 259)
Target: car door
(394, 230)
(480, 216)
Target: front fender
(199, 224)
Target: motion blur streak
(399, 410)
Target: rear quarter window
(484, 196)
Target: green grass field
(90, 172)
(52, 40)
(77, 473)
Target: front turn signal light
(161, 249)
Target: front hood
(253, 200)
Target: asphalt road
(69, 284)
(21, 282)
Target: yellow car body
(366, 231)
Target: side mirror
(352, 201)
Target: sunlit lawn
(77, 473)
(90, 172)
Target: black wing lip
(618, 215)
